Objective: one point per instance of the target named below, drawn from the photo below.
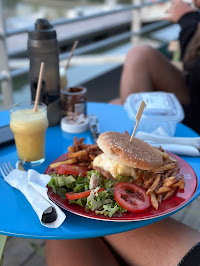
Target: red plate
(176, 202)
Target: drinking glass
(29, 129)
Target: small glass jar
(73, 100)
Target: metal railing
(136, 31)
(6, 79)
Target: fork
(5, 169)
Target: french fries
(165, 167)
(77, 154)
(154, 185)
(68, 161)
(163, 186)
(80, 153)
(169, 194)
(154, 200)
(161, 190)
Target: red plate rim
(176, 202)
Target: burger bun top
(135, 153)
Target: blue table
(17, 218)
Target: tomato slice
(80, 195)
(72, 169)
(131, 197)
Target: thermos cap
(43, 30)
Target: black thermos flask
(43, 47)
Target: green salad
(90, 191)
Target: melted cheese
(113, 167)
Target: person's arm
(188, 24)
(187, 17)
(178, 9)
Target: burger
(122, 157)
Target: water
(20, 14)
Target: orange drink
(29, 129)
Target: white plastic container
(162, 110)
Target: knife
(94, 127)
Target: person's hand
(177, 9)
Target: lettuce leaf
(69, 182)
(108, 210)
(81, 202)
(124, 178)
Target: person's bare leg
(79, 252)
(163, 243)
(146, 69)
